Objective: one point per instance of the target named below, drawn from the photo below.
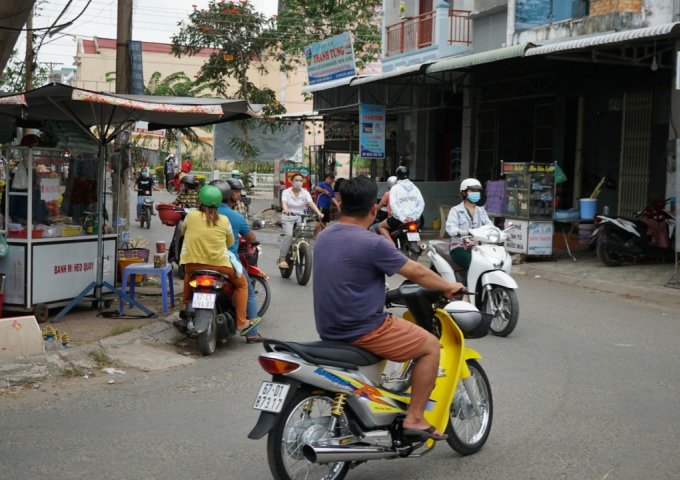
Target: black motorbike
(650, 234)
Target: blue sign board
(330, 59)
(136, 68)
(372, 131)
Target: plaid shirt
(240, 207)
(188, 199)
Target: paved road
(585, 388)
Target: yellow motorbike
(330, 406)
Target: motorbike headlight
(494, 236)
(498, 264)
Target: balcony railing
(419, 32)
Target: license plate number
(413, 236)
(203, 300)
(271, 396)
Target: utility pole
(28, 60)
(121, 169)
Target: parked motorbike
(174, 185)
(488, 275)
(331, 406)
(210, 315)
(649, 235)
(147, 213)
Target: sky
(153, 21)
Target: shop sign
(517, 237)
(15, 280)
(49, 188)
(540, 238)
(136, 68)
(330, 59)
(372, 131)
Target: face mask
(297, 184)
(145, 174)
(474, 196)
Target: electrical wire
(63, 25)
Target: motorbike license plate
(203, 300)
(271, 396)
(413, 236)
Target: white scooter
(488, 275)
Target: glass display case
(49, 208)
(530, 206)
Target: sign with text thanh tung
(372, 131)
(330, 59)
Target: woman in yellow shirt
(207, 235)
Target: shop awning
(394, 73)
(608, 39)
(464, 61)
(326, 85)
(13, 15)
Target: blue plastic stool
(145, 269)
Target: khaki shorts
(395, 339)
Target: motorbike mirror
(257, 224)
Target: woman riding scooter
(462, 218)
(207, 235)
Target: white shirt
(296, 204)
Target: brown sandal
(257, 338)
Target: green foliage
(303, 22)
(243, 38)
(13, 78)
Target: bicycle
(300, 252)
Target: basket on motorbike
(169, 213)
(249, 251)
(305, 230)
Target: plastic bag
(20, 180)
(560, 176)
(4, 247)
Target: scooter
(619, 239)
(147, 213)
(210, 315)
(174, 185)
(331, 406)
(407, 239)
(488, 275)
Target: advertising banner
(330, 59)
(372, 131)
(136, 68)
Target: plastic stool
(145, 269)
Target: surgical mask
(474, 196)
(297, 184)
(145, 174)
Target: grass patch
(73, 371)
(120, 329)
(101, 359)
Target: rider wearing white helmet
(405, 201)
(463, 217)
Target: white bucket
(585, 230)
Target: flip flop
(257, 338)
(425, 434)
(248, 328)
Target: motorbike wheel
(172, 188)
(506, 310)
(411, 250)
(287, 272)
(207, 341)
(148, 219)
(468, 430)
(262, 294)
(303, 267)
(605, 255)
(306, 419)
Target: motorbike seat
(334, 354)
(443, 250)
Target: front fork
(295, 250)
(470, 384)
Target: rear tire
(605, 255)
(303, 267)
(262, 294)
(172, 188)
(304, 420)
(207, 341)
(411, 250)
(467, 430)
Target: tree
(242, 38)
(303, 22)
(177, 85)
(12, 78)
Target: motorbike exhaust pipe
(335, 453)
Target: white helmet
(235, 174)
(469, 182)
(391, 181)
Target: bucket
(585, 230)
(588, 208)
(124, 262)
